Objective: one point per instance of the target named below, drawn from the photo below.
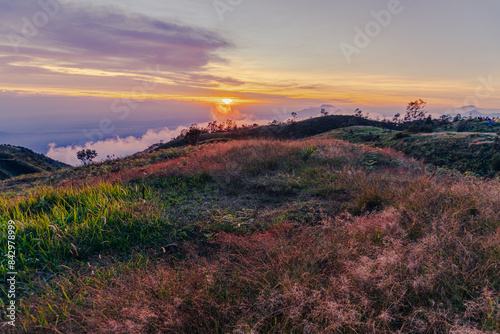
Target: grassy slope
(297, 130)
(15, 161)
(262, 236)
(471, 152)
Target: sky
(119, 76)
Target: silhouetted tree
(445, 119)
(396, 118)
(212, 127)
(192, 135)
(415, 111)
(86, 156)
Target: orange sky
(66, 66)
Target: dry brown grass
(349, 274)
(402, 252)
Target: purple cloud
(105, 37)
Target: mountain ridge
(17, 160)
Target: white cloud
(119, 147)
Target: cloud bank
(119, 147)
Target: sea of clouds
(113, 147)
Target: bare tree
(415, 111)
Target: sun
(227, 101)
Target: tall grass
(304, 236)
(57, 226)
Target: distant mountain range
(473, 111)
(15, 161)
(465, 111)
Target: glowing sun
(227, 101)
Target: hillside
(15, 161)
(256, 236)
(466, 152)
(296, 130)
(467, 146)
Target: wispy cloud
(85, 47)
(105, 37)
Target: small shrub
(400, 135)
(192, 136)
(495, 163)
(413, 128)
(464, 126)
(496, 143)
(306, 153)
(427, 128)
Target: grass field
(256, 236)
(466, 152)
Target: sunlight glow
(227, 101)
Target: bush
(192, 136)
(464, 126)
(413, 128)
(400, 135)
(495, 163)
(427, 128)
